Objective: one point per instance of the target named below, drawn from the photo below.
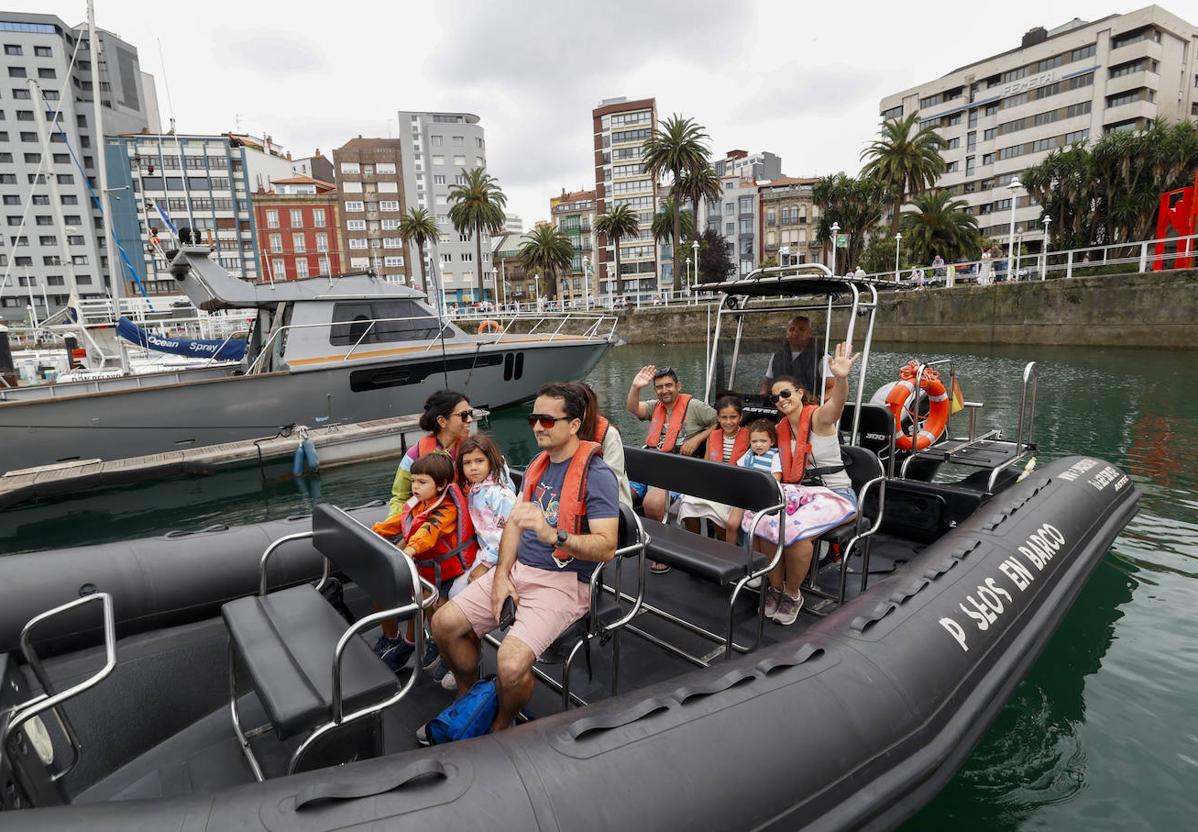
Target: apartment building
(40, 255)
(573, 214)
(299, 222)
(370, 189)
(512, 224)
(317, 166)
(621, 127)
(1064, 85)
(515, 284)
(789, 220)
(438, 148)
(202, 181)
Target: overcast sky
(802, 80)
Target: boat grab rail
(274, 546)
(47, 700)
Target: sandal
(659, 568)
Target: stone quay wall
(1158, 310)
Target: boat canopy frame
(801, 283)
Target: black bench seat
(704, 557)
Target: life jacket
(452, 554)
(601, 426)
(794, 466)
(572, 507)
(428, 444)
(715, 445)
(673, 429)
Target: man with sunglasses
(564, 524)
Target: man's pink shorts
(549, 603)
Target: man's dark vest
(801, 367)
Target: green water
(1103, 732)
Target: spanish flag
(958, 397)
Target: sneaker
(754, 584)
(432, 655)
(448, 682)
(422, 736)
(395, 653)
(772, 597)
(788, 609)
(658, 568)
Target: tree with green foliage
(621, 221)
(698, 185)
(855, 204)
(715, 258)
(477, 206)
(546, 251)
(941, 225)
(878, 257)
(418, 226)
(906, 158)
(1108, 192)
(666, 220)
(675, 147)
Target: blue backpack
(469, 716)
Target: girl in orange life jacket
(447, 418)
(807, 439)
(435, 531)
(727, 445)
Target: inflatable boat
(139, 690)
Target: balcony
(1134, 81)
(1126, 112)
(1140, 49)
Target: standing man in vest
(564, 524)
(796, 358)
(677, 423)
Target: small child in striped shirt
(762, 455)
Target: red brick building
(299, 229)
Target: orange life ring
(489, 326)
(938, 412)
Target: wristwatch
(562, 537)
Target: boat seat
(704, 557)
(306, 667)
(715, 561)
(285, 641)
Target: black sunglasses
(547, 422)
(785, 394)
(465, 415)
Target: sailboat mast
(51, 180)
(116, 273)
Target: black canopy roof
(765, 284)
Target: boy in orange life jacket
(434, 530)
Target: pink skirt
(810, 511)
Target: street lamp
(835, 234)
(586, 282)
(695, 270)
(898, 241)
(1014, 186)
(1047, 221)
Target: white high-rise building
(1060, 86)
(438, 148)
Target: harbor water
(1101, 735)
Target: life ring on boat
(489, 326)
(938, 409)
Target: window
(16, 72)
(354, 206)
(969, 165)
(368, 170)
(389, 205)
(438, 160)
(355, 225)
(297, 218)
(322, 242)
(318, 219)
(393, 262)
(459, 160)
(325, 267)
(458, 141)
(279, 268)
(390, 225)
(436, 141)
(953, 143)
(951, 167)
(746, 225)
(44, 52)
(276, 243)
(459, 179)
(989, 133)
(1011, 152)
(385, 167)
(351, 187)
(893, 112)
(392, 242)
(395, 320)
(22, 95)
(446, 258)
(467, 257)
(350, 167)
(729, 229)
(439, 179)
(301, 267)
(971, 141)
(1044, 144)
(1079, 109)
(987, 159)
(1082, 53)
(46, 72)
(745, 204)
(357, 243)
(12, 49)
(298, 244)
(1125, 98)
(1077, 135)
(973, 117)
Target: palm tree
(619, 222)
(906, 158)
(667, 219)
(676, 146)
(546, 250)
(477, 207)
(698, 185)
(940, 225)
(418, 226)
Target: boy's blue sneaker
(395, 653)
(432, 655)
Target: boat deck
(204, 756)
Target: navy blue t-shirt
(602, 503)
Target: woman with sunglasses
(447, 418)
(809, 444)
